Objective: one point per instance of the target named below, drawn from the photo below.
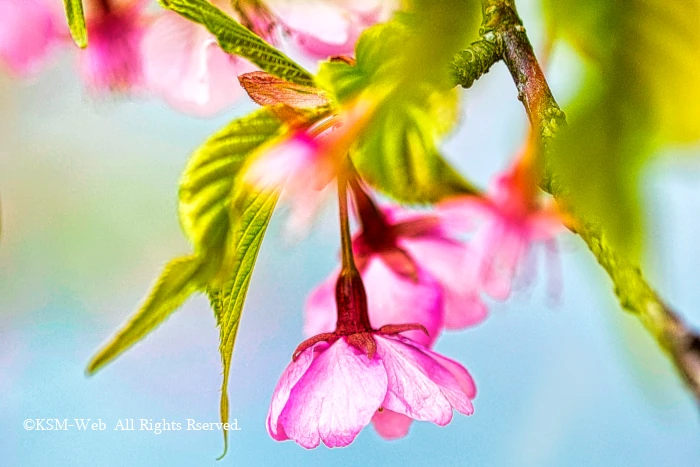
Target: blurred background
(88, 189)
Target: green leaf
(180, 278)
(236, 39)
(76, 21)
(404, 63)
(252, 211)
(208, 181)
(398, 155)
(640, 93)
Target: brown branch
(503, 29)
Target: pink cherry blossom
(112, 60)
(432, 241)
(184, 64)
(323, 28)
(332, 391)
(419, 273)
(391, 299)
(305, 161)
(29, 31)
(511, 219)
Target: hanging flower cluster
(363, 126)
(422, 249)
(405, 276)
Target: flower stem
(374, 225)
(345, 237)
(350, 296)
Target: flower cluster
(405, 277)
(135, 50)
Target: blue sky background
(88, 189)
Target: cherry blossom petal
(465, 213)
(544, 225)
(391, 425)
(320, 310)
(113, 59)
(391, 299)
(500, 247)
(418, 385)
(456, 268)
(293, 158)
(185, 65)
(461, 375)
(318, 28)
(284, 387)
(335, 398)
(29, 30)
(453, 379)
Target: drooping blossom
(334, 390)
(414, 270)
(306, 160)
(339, 381)
(29, 31)
(112, 60)
(511, 219)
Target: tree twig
(503, 37)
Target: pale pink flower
(512, 218)
(112, 60)
(414, 271)
(184, 64)
(324, 28)
(391, 298)
(306, 160)
(333, 390)
(29, 31)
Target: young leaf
(180, 278)
(208, 180)
(236, 39)
(398, 156)
(403, 63)
(266, 89)
(76, 21)
(252, 211)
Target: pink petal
(320, 309)
(185, 65)
(419, 386)
(452, 378)
(320, 29)
(290, 158)
(393, 299)
(455, 267)
(463, 214)
(112, 61)
(391, 425)
(544, 225)
(501, 247)
(461, 375)
(284, 387)
(29, 30)
(335, 398)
